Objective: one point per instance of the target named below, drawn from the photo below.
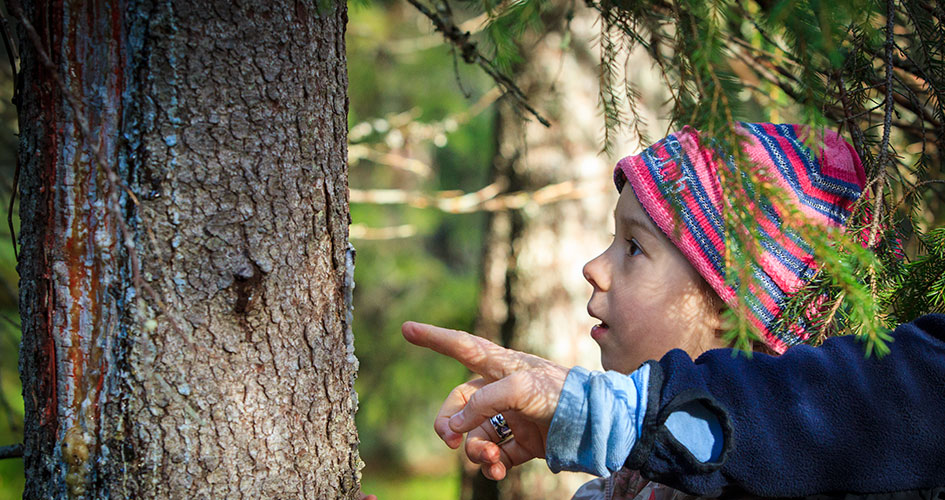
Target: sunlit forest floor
(390, 484)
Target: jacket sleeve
(600, 414)
(813, 420)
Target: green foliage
(873, 70)
(508, 23)
(918, 286)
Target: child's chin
(618, 364)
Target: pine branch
(491, 198)
(848, 117)
(827, 63)
(740, 8)
(13, 57)
(887, 126)
(471, 55)
(11, 451)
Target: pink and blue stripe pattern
(677, 182)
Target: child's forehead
(629, 212)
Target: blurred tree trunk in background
(533, 296)
(185, 273)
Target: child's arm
(526, 389)
(813, 420)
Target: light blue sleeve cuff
(600, 416)
(597, 420)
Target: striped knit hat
(823, 187)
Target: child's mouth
(599, 330)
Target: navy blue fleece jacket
(811, 421)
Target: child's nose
(595, 272)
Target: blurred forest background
(11, 400)
(466, 212)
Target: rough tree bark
(185, 271)
(533, 296)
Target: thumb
(533, 393)
(507, 394)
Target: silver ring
(501, 428)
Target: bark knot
(247, 281)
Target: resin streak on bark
(85, 261)
(79, 259)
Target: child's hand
(523, 387)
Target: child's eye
(633, 248)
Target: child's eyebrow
(631, 221)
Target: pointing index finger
(476, 353)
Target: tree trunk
(185, 271)
(533, 295)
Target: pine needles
(873, 70)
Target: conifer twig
(762, 63)
(920, 111)
(471, 54)
(848, 119)
(914, 190)
(833, 309)
(12, 56)
(491, 198)
(11, 451)
(744, 43)
(887, 125)
(764, 34)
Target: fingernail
(456, 420)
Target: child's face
(648, 297)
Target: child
(811, 421)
